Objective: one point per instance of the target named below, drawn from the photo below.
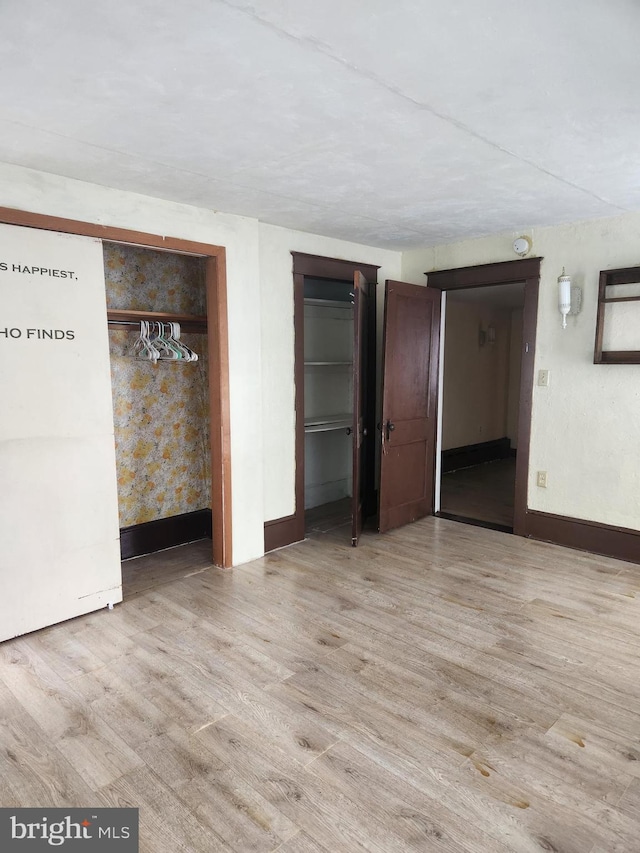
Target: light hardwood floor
(440, 688)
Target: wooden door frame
(279, 532)
(218, 347)
(525, 271)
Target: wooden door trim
(360, 320)
(279, 532)
(504, 272)
(317, 266)
(218, 347)
(525, 271)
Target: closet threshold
(120, 318)
(326, 423)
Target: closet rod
(118, 319)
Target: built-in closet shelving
(325, 423)
(328, 421)
(319, 351)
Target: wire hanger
(143, 347)
(161, 342)
(189, 354)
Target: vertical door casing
(409, 403)
(359, 414)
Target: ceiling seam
(326, 50)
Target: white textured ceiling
(398, 124)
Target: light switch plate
(543, 378)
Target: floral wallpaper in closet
(161, 412)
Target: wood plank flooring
(326, 517)
(483, 492)
(439, 688)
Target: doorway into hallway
(482, 360)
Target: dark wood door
(360, 313)
(409, 403)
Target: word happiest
(24, 268)
(53, 833)
(42, 334)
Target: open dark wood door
(409, 403)
(360, 312)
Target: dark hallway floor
(483, 492)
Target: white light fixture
(564, 296)
(569, 298)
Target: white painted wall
(586, 424)
(276, 284)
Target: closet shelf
(122, 319)
(325, 423)
(328, 303)
(327, 363)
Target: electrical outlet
(542, 479)
(543, 378)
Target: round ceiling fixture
(522, 246)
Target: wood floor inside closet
(440, 688)
(143, 574)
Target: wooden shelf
(619, 357)
(328, 303)
(614, 278)
(122, 319)
(326, 423)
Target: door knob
(389, 427)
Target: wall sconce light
(486, 336)
(569, 297)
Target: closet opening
(328, 404)
(335, 400)
(157, 315)
(212, 262)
